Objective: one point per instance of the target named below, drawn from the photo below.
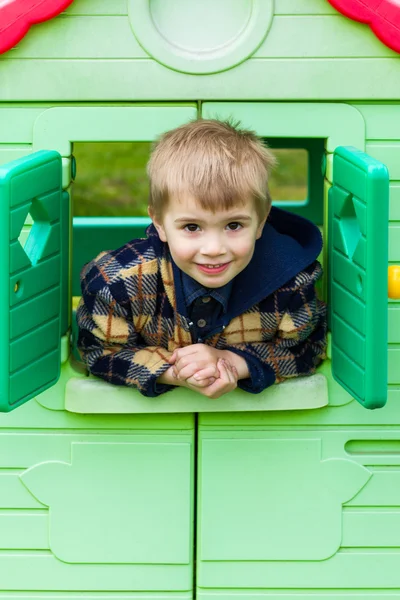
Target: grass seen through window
(111, 178)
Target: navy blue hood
(288, 245)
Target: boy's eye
(234, 226)
(191, 227)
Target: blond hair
(218, 163)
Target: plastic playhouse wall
(104, 494)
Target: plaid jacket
(132, 314)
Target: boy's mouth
(211, 268)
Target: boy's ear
(157, 224)
(260, 228)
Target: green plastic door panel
(65, 276)
(358, 259)
(30, 277)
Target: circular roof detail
(200, 36)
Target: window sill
(91, 395)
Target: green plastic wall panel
(136, 507)
(133, 80)
(30, 281)
(381, 120)
(358, 256)
(120, 7)
(303, 7)
(315, 36)
(263, 478)
(268, 475)
(58, 127)
(394, 202)
(112, 38)
(12, 152)
(387, 152)
(97, 7)
(16, 124)
(92, 235)
(76, 55)
(338, 124)
(120, 486)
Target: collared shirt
(205, 305)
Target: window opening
(110, 194)
(297, 183)
(289, 181)
(111, 179)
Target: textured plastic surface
(76, 56)
(30, 280)
(59, 127)
(124, 521)
(336, 123)
(383, 16)
(173, 35)
(289, 504)
(93, 396)
(17, 16)
(122, 485)
(278, 473)
(358, 256)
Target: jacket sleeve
(299, 342)
(108, 342)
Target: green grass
(111, 178)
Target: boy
(221, 292)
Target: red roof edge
(383, 16)
(17, 16)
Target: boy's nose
(213, 246)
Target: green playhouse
(290, 494)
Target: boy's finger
(223, 369)
(233, 373)
(189, 370)
(187, 359)
(229, 375)
(202, 383)
(210, 371)
(186, 350)
(215, 389)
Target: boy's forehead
(181, 206)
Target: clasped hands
(207, 370)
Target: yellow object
(394, 282)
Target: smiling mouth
(214, 266)
(211, 268)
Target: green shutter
(358, 259)
(30, 277)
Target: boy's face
(212, 248)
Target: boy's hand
(185, 364)
(226, 382)
(196, 364)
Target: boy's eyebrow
(193, 219)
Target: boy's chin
(211, 281)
